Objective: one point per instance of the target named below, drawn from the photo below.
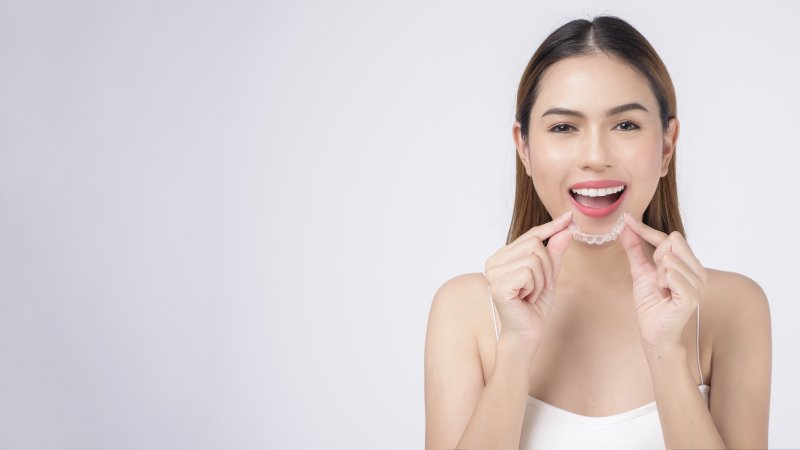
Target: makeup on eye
(553, 129)
(635, 125)
(557, 128)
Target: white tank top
(548, 427)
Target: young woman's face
(576, 136)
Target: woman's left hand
(666, 293)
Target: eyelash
(568, 125)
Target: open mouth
(597, 198)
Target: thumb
(633, 248)
(556, 246)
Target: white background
(222, 224)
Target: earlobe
(521, 146)
(670, 142)
(669, 150)
(522, 151)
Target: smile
(598, 202)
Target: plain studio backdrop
(222, 224)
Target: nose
(596, 153)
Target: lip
(598, 212)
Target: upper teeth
(598, 192)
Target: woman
(597, 345)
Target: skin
(600, 352)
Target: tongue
(596, 202)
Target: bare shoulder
(453, 372)
(462, 296)
(737, 310)
(734, 293)
(735, 299)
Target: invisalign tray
(597, 238)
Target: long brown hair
(617, 38)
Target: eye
(628, 126)
(561, 128)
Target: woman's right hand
(521, 279)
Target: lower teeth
(597, 238)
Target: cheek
(550, 170)
(644, 167)
(549, 159)
(643, 155)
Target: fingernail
(566, 214)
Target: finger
(680, 286)
(547, 266)
(521, 250)
(674, 262)
(650, 235)
(676, 245)
(534, 267)
(528, 260)
(556, 247)
(681, 248)
(538, 283)
(548, 229)
(661, 282)
(661, 250)
(531, 241)
(637, 260)
(529, 264)
(513, 284)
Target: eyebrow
(615, 110)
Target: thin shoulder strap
(494, 318)
(698, 345)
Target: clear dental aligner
(597, 238)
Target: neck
(604, 265)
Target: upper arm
(453, 372)
(742, 363)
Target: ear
(522, 146)
(670, 141)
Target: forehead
(592, 83)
